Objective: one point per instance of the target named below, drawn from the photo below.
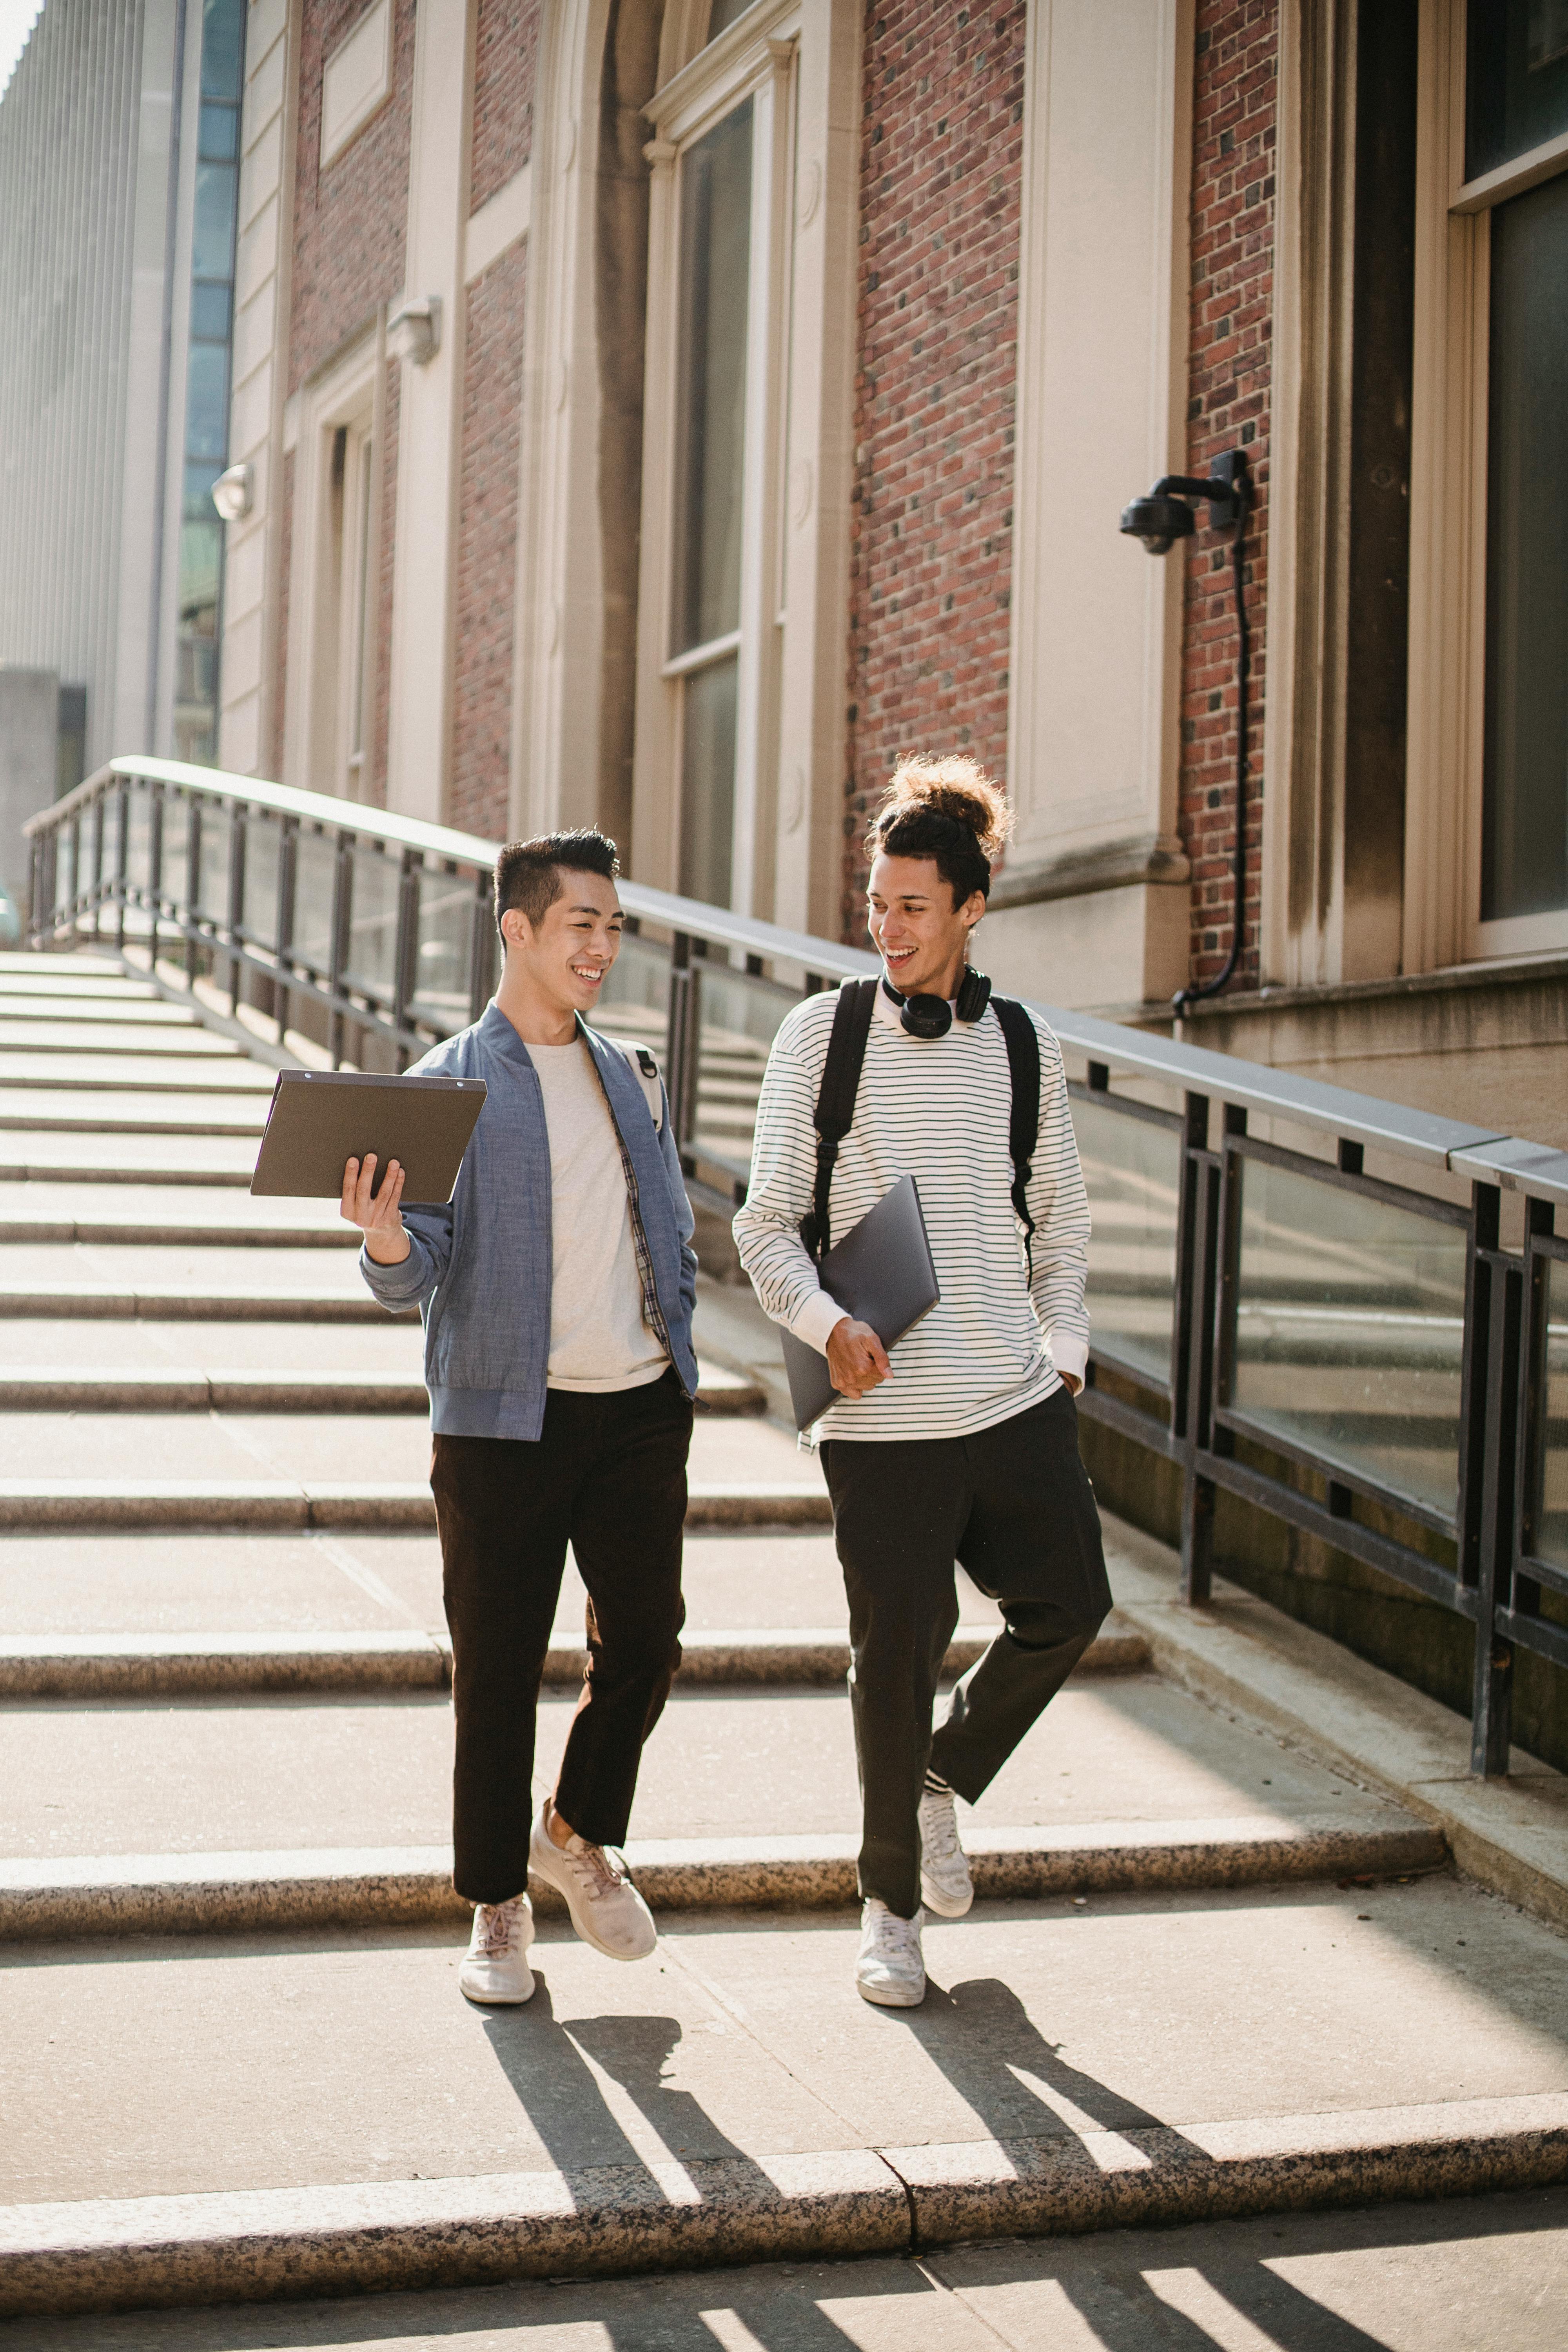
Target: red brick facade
(349, 221)
(1234, 110)
(506, 52)
(941, 174)
(487, 547)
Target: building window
(723, 14)
(1524, 855)
(353, 478)
(1487, 855)
(705, 651)
(200, 586)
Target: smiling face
(562, 959)
(922, 937)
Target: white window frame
(333, 611)
(1446, 754)
(754, 58)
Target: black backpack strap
(836, 1102)
(1023, 1126)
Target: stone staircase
(1213, 1971)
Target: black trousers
(1011, 1503)
(607, 1474)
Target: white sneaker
(946, 1886)
(607, 1909)
(890, 1970)
(495, 1971)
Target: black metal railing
(1351, 1315)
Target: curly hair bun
(954, 787)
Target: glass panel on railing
(443, 964)
(65, 868)
(262, 844)
(1552, 1524)
(1132, 1172)
(1350, 1331)
(315, 882)
(212, 877)
(175, 873)
(372, 964)
(737, 1018)
(635, 1001)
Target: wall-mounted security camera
(1166, 514)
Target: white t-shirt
(598, 1338)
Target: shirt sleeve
(415, 1278)
(784, 1174)
(1059, 1206)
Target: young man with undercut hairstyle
(965, 1446)
(557, 1289)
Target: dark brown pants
(607, 1474)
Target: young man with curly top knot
(965, 1447)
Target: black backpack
(841, 1080)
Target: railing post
(236, 830)
(405, 948)
(1192, 1369)
(338, 947)
(483, 947)
(192, 889)
(1490, 1397)
(154, 868)
(121, 862)
(678, 1037)
(287, 833)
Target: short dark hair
(946, 809)
(528, 873)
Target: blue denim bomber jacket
(478, 1269)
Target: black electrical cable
(1243, 672)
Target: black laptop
(881, 1274)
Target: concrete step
(60, 1388)
(734, 2098)
(105, 1110)
(102, 1778)
(222, 1070)
(49, 1158)
(1416, 2273)
(291, 1892)
(136, 1007)
(74, 969)
(167, 1216)
(293, 1470)
(216, 1282)
(166, 1585)
(206, 1665)
(42, 1033)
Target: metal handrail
(1189, 1385)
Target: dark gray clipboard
(320, 1119)
(880, 1272)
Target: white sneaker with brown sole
(495, 1971)
(607, 1909)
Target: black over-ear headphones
(932, 1016)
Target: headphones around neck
(932, 1016)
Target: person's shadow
(984, 2040)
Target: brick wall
(350, 221)
(942, 165)
(506, 51)
(1234, 111)
(487, 547)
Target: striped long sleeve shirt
(938, 1109)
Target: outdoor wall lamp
(415, 334)
(232, 493)
(1165, 515)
